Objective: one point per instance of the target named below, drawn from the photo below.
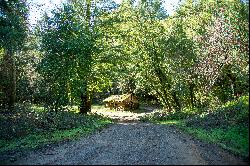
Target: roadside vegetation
(226, 125)
(194, 64)
(31, 126)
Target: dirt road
(132, 144)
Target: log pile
(121, 102)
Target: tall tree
(13, 30)
(68, 39)
(67, 57)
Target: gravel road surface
(132, 144)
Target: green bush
(34, 119)
(233, 138)
(30, 126)
(232, 113)
(171, 115)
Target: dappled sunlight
(33, 119)
(130, 115)
(91, 64)
(127, 124)
(175, 122)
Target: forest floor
(125, 116)
(130, 142)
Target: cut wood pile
(121, 102)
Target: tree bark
(176, 100)
(85, 105)
(164, 86)
(191, 93)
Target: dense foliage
(13, 30)
(194, 63)
(30, 126)
(65, 64)
(226, 125)
(195, 58)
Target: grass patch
(97, 107)
(235, 139)
(34, 140)
(232, 113)
(170, 122)
(163, 115)
(32, 126)
(227, 125)
(37, 108)
(102, 108)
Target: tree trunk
(176, 100)
(164, 87)
(191, 93)
(85, 105)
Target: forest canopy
(197, 57)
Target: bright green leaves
(13, 31)
(135, 46)
(67, 56)
(13, 24)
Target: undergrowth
(227, 125)
(30, 126)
